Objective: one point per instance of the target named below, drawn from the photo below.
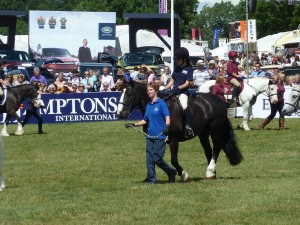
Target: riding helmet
(231, 54)
(182, 53)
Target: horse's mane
(20, 86)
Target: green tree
(217, 16)
(273, 18)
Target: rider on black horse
(181, 78)
(233, 74)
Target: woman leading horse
(208, 118)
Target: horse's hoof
(184, 176)
(4, 134)
(19, 133)
(2, 186)
(239, 126)
(247, 129)
(210, 174)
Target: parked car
(154, 61)
(56, 65)
(11, 59)
(60, 53)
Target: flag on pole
(243, 30)
(199, 33)
(163, 9)
(193, 34)
(215, 37)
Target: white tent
(264, 45)
(21, 42)
(146, 38)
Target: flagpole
(247, 41)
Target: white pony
(252, 88)
(291, 104)
(2, 185)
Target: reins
(258, 91)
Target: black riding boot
(235, 94)
(188, 130)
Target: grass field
(91, 173)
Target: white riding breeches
(183, 98)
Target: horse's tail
(229, 144)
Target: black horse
(209, 118)
(14, 97)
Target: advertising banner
(79, 107)
(243, 31)
(215, 37)
(163, 8)
(68, 29)
(252, 31)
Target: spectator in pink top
(218, 88)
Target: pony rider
(233, 74)
(180, 80)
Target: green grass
(91, 173)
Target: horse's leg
(174, 145)
(217, 146)
(20, 129)
(246, 115)
(204, 139)
(5, 124)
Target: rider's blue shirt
(181, 75)
(155, 116)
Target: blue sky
(212, 2)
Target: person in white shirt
(200, 75)
(106, 78)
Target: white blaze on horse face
(120, 105)
(272, 92)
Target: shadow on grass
(196, 179)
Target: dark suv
(154, 61)
(11, 59)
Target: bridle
(269, 91)
(261, 92)
(129, 106)
(295, 105)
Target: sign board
(66, 29)
(252, 31)
(79, 107)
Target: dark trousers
(36, 114)
(274, 108)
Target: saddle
(228, 89)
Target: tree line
(271, 17)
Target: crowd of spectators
(105, 82)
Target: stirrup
(189, 132)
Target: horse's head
(292, 102)
(128, 99)
(272, 92)
(34, 96)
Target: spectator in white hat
(200, 75)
